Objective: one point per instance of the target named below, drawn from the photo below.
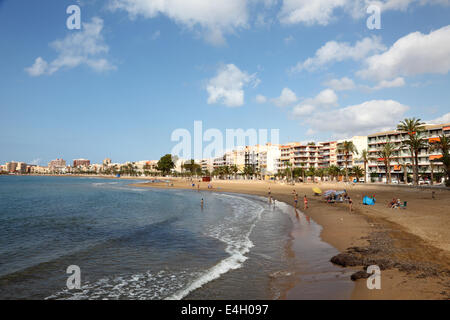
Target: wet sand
(411, 246)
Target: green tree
(311, 172)
(192, 167)
(334, 172)
(298, 172)
(358, 172)
(249, 171)
(365, 159)
(165, 164)
(443, 145)
(386, 153)
(347, 147)
(414, 128)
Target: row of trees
(332, 172)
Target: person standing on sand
(305, 203)
(198, 187)
(295, 200)
(350, 203)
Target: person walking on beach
(198, 187)
(201, 203)
(305, 203)
(295, 200)
(350, 204)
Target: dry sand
(411, 246)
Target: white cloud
(365, 118)
(84, 47)
(213, 19)
(309, 12)
(260, 99)
(227, 87)
(395, 83)
(286, 98)
(325, 99)
(38, 68)
(443, 119)
(341, 84)
(303, 110)
(413, 54)
(334, 51)
(323, 12)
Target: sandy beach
(411, 246)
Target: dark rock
(347, 260)
(359, 275)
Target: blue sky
(139, 69)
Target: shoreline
(411, 246)
(412, 268)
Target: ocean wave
(143, 286)
(103, 183)
(246, 214)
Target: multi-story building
(21, 167)
(207, 165)
(401, 163)
(300, 155)
(328, 153)
(39, 170)
(11, 167)
(81, 163)
(352, 159)
(57, 165)
(106, 162)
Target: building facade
(401, 162)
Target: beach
(411, 246)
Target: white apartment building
(401, 162)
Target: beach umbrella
(328, 192)
(316, 190)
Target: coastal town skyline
(379, 157)
(254, 65)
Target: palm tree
(311, 172)
(413, 127)
(386, 153)
(365, 158)
(443, 145)
(248, 171)
(234, 170)
(334, 171)
(320, 172)
(288, 171)
(358, 172)
(347, 147)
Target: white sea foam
(232, 232)
(103, 183)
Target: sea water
(142, 243)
